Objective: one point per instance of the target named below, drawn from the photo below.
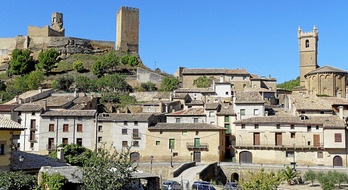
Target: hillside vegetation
(289, 85)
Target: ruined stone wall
(144, 76)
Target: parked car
(202, 185)
(171, 185)
(231, 186)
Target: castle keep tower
(127, 32)
(57, 22)
(308, 43)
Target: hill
(289, 85)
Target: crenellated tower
(308, 43)
(127, 32)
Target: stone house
(7, 110)
(211, 109)
(10, 130)
(191, 115)
(65, 127)
(162, 106)
(249, 104)
(184, 142)
(319, 140)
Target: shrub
(54, 181)
(148, 86)
(17, 180)
(310, 176)
(78, 66)
(64, 82)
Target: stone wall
(144, 76)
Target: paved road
(189, 175)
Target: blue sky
(258, 35)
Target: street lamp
(21, 159)
(151, 158)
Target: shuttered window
(338, 137)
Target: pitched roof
(6, 123)
(72, 173)
(194, 90)
(335, 101)
(248, 97)
(72, 113)
(189, 112)
(56, 101)
(195, 102)
(187, 71)
(326, 69)
(212, 106)
(226, 110)
(326, 121)
(29, 107)
(7, 107)
(124, 116)
(309, 102)
(31, 93)
(157, 103)
(186, 127)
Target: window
(79, 118)
(256, 111)
(307, 43)
(171, 143)
(32, 124)
(242, 111)
(79, 141)
(211, 114)
(322, 112)
(100, 139)
(125, 123)
(184, 133)
(65, 141)
(243, 126)
(19, 113)
(320, 155)
(66, 128)
(135, 123)
(290, 154)
(124, 132)
(158, 143)
(278, 126)
(256, 126)
(124, 143)
(135, 133)
(292, 135)
(31, 145)
(244, 85)
(2, 149)
(226, 93)
(309, 143)
(232, 77)
(232, 86)
(79, 127)
(51, 127)
(177, 120)
(244, 77)
(51, 118)
(32, 113)
(309, 128)
(292, 126)
(32, 135)
(317, 127)
(100, 128)
(227, 118)
(338, 137)
(195, 120)
(303, 112)
(161, 132)
(175, 154)
(197, 132)
(136, 143)
(228, 131)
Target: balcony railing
(272, 145)
(50, 147)
(201, 146)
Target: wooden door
(337, 161)
(256, 138)
(316, 140)
(197, 156)
(50, 143)
(197, 142)
(278, 139)
(33, 124)
(245, 157)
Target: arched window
(307, 43)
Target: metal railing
(197, 146)
(285, 145)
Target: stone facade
(144, 76)
(127, 30)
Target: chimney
(40, 90)
(60, 153)
(221, 78)
(16, 99)
(340, 111)
(45, 105)
(170, 97)
(21, 101)
(75, 93)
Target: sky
(257, 35)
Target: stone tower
(308, 43)
(127, 32)
(57, 22)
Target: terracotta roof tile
(249, 97)
(124, 116)
(326, 69)
(191, 111)
(309, 102)
(185, 126)
(212, 106)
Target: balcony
(136, 137)
(271, 145)
(50, 147)
(201, 146)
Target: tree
(74, 154)
(310, 176)
(169, 84)
(326, 180)
(17, 180)
(339, 177)
(262, 180)
(98, 69)
(108, 169)
(124, 59)
(21, 62)
(289, 85)
(53, 182)
(83, 83)
(34, 80)
(203, 82)
(78, 66)
(289, 174)
(63, 82)
(47, 60)
(111, 60)
(148, 86)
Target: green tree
(54, 181)
(262, 180)
(310, 176)
(108, 169)
(124, 59)
(148, 86)
(83, 83)
(34, 80)
(111, 97)
(21, 62)
(326, 180)
(17, 180)
(98, 69)
(289, 174)
(74, 154)
(203, 82)
(133, 61)
(289, 85)
(47, 60)
(64, 82)
(169, 84)
(339, 177)
(111, 60)
(78, 66)
(18, 86)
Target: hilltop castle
(317, 80)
